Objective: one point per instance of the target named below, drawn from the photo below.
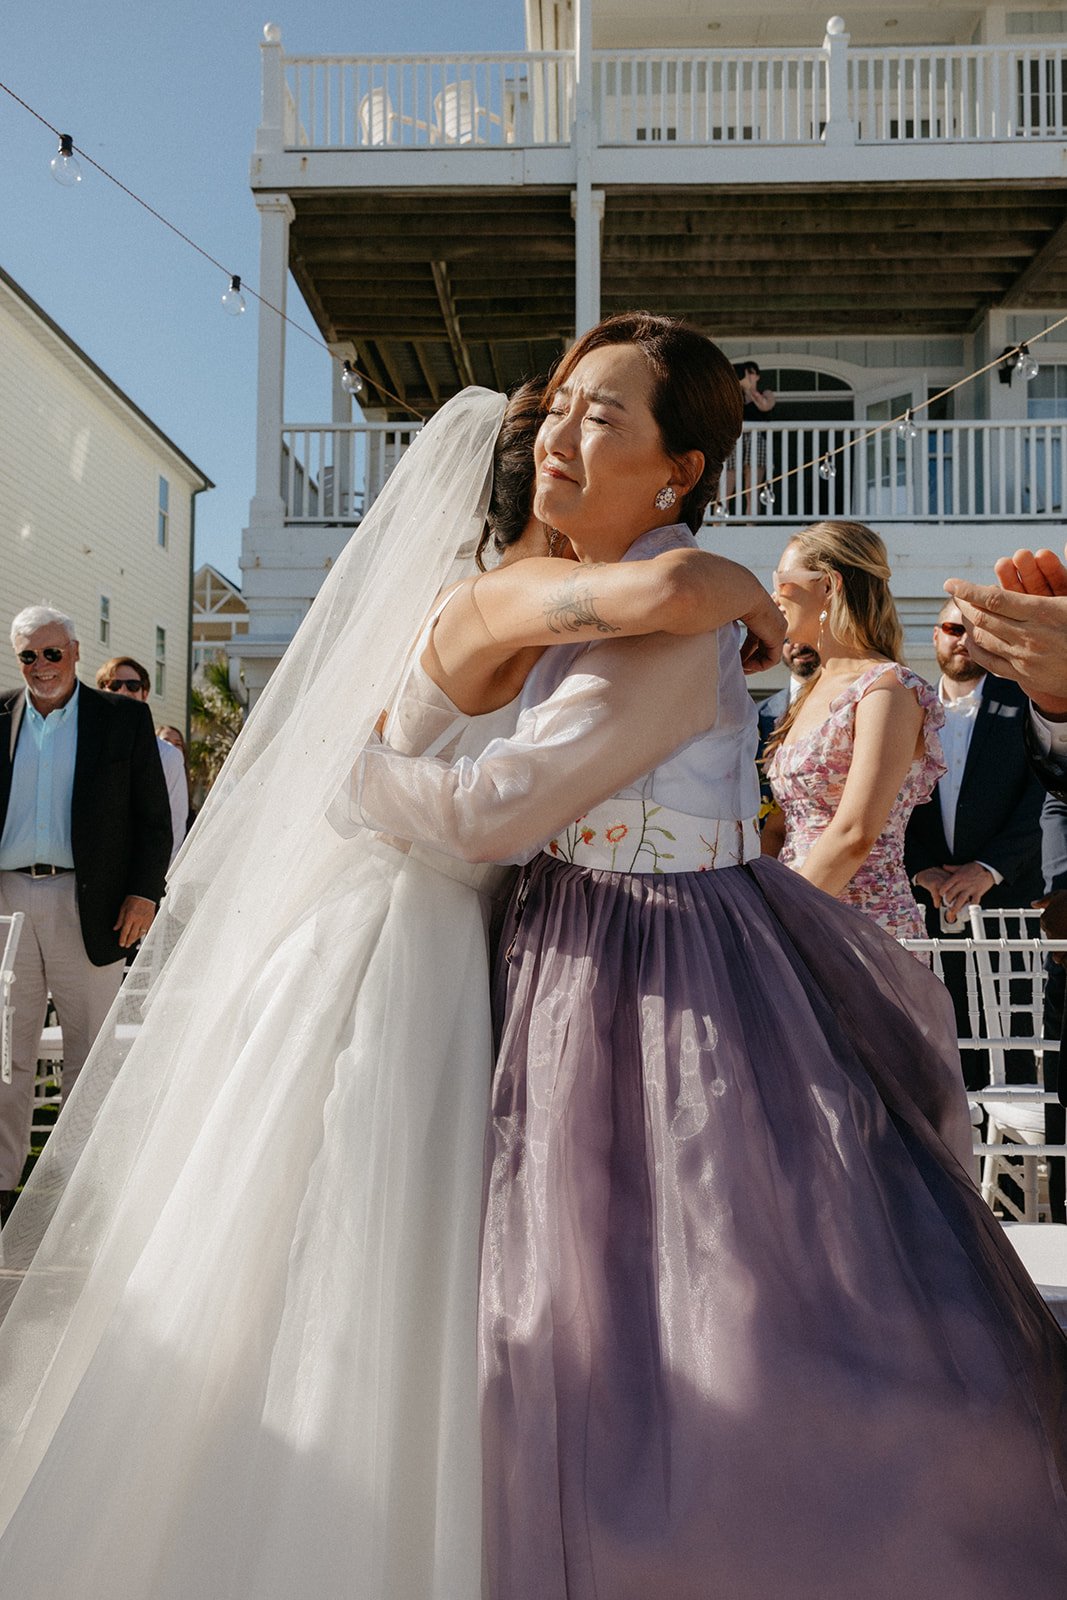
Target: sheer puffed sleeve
(624, 707)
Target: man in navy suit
(977, 840)
(85, 838)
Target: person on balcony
(858, 748)
(745, 1320)
(758, 403)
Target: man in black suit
(85, 839)
(977, 840)
(1018, 629)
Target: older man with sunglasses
(85, 838)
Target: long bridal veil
(204, 993)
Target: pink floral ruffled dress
(808, 779)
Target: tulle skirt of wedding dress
(279, 1397)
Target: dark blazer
(768, 713)
(119, 813)
(998, 812)
(1051, 776)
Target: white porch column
(587, 204)
(275, 214)
(840, 129)
(587, 209)
(274, 611)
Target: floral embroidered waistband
(634, 836)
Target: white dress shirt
(961, 715)
(173, 763)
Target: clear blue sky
(167, 97)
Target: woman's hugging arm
(624, 708)
(540, 602)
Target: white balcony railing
(707, 97)
(333, 474)
(957, 95)
(950, 472)
(701, 98)
(392, 102)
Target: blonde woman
(858, 749)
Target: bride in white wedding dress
(239, 1359)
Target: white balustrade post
(840, 129)
(587, 205)
(270, 135)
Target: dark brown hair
(105, 673)
(696, 398)
(511, 497)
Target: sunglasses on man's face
(125, 686)
(955, 630)
(52, 652)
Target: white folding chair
(377, 119)
(459, 117)
(1009, 967)
(10, 932)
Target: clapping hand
(1017, 628)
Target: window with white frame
(163, 525)
(161, 661)
(105, 619)
(1046, 395)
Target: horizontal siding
(78, 514)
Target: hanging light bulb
(906, 428)
(827, 468)
(351, 381)
(1025, 365)
(719, 511)
(233, 301)
(65, 169)
(766, 497)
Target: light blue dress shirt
(37, 828)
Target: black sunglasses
(126, 686)
(956, 629)
(52, 652)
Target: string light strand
(246, 288)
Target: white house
(220, 616)
(870, 207)
(96, 506)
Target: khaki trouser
(51, 959)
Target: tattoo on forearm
(573, 607)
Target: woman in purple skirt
(747, 1330)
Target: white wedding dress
(271, 1391)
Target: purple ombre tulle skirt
(747, 1330)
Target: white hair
(30, 618)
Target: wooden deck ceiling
(437, 290)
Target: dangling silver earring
(553, 538)
(822, 623)
(665, 499)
